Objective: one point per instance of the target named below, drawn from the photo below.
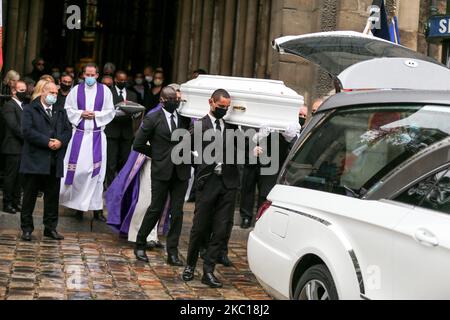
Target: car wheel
(316, 284)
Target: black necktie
(49, 112)
(172, 123)
(121, 96)
(218, 128)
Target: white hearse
(362, 206)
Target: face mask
(50, 100)
(149, 79)
(219, 113)
(139, 81)
(158, 83)
(302, 121)
(90, 81)
(171, 106)
(121, 85)
(65, 87)
(21, 96)
(56, 75)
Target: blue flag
(388, 28)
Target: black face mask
(302, 121)
(65, 87)
(21, 96)
(219, 113)
(121, 85)
(171, 106)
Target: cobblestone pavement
(100, 265)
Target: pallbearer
(90, 108)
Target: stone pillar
(11, 31)
(33, 34)
(408, 22)
(217, 37)
(250, 39)
(239, 47)
(293, 17)
(183, 58)
(197, 11)
(206, 34)
(226, 65)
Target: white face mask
(149, 78)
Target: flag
(380, 25)
(1, 35)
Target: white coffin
(254, 102)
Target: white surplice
(86, 192)
(144, 201)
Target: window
(354, 148)
(432, 192)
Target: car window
(354, 148)
(432, 192)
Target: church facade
(226, 37)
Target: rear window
(354, 148)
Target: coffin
(254, 102)
(130, 107)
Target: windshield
(354, 148)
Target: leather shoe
(98, 215)
(246, 223)
(53, 234)
(225, 261)
(141, 255)
(9, 209)
(26, 236)
(173, 260)
(210, 280)
(154, 245)
(188, 273)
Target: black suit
(12, 149)
(214, 202)
(42, 167)
(119, 134)
(167, 178)
(252, 178)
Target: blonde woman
(10, 81)
(38, 89)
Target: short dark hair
(158, 71)
(65, 74)
(220, 93)
(90, 65)
(121, 72)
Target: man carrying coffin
(89, 108)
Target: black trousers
(49, 185)
(117, 155)
(13, 180)
(214, 211)
(160, 190)
(250, 180)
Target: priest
(89, 108)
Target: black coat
(121, 127)
(155, 130)
(13, 139)
(230, 171)
(38, 128)
(151, 100)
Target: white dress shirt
(169, 117)
(18, 102)
(124, 92)
(213, 120)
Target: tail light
(266, 205)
